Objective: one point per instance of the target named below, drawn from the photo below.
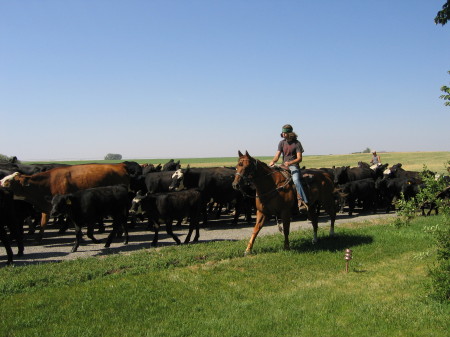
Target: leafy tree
(446, 96)
(367, 150)
(443, 15)
(441, 19)
(113, 156)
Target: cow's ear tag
(68, 202)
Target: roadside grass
(210, 289)
(413, 161)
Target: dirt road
(57, 247)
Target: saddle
(286, 172)
(283, 169)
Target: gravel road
(56, 247)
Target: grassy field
(210, 289)
(413, 161)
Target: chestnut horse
(276, 194)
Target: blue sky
(204, 78)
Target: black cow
(363, 164)
(30, 169)
(171, 165)
(153, 182)
(345, 174)
(432, 205)
(11, 167)
(25, 212)
(397, 171)
(329, 170)
(164, 208)
(156, 182)
(362, 190)
(379, 171)
(4, 173)
(147, 168)
(133, 168)
(390, 189)
(215, 183)
(8, 221)
(87, 207)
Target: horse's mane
(276, 168)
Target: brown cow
(39, 188)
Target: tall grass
(212, 290)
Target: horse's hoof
(248, 252)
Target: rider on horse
(292, 151)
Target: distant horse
(363, 164)
(276, 194)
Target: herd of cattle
(84, 195)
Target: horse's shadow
(336, 243)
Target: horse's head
(245, 170)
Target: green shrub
(440, 274)
(408, 209)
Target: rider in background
(292, 151)
(375, 160)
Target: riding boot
(302, 206)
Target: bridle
(247, 178)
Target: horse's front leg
(332, 220)
(286, 229)
(260, 218)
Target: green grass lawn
(211, 289)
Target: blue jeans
(295, 173)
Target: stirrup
(302, 206)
